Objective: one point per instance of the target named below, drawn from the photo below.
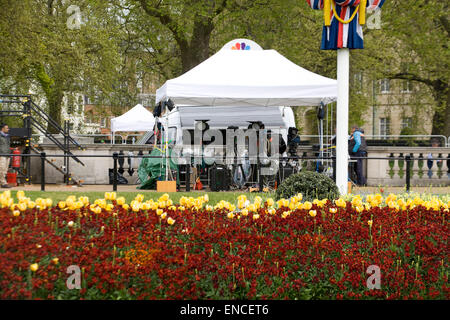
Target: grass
(214, 197)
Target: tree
(416, 42)
(59, 52)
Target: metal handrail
(116, 156)
(391, 137)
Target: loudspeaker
(220, 178)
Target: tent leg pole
(343, 67)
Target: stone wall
(94, 171)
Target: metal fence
(443, 140)
(128, 139)
(116, 156)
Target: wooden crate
(166, 186)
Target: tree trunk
(441, 118)
(197, 50)
(54, 110)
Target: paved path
(132, 188)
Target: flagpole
(343, 70)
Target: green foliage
(311, 184)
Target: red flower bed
(208, 255)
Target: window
(385, 127)
(407, 86)
(358, 81)
(70, 108)
(103, 122)
(385, 86)
(406, 123)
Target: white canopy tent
(243, 74)
(135, 119)
(252, 77)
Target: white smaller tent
(136, 119)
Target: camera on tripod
(293, 141)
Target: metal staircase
(34, 117)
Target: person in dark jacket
(358, 149)
(4, 149)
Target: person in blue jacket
(358, 149)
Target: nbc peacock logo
(240, 46)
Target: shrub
(311, 184)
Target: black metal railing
(117, 157)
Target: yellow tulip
(307, 205)
(162, 204)
(170, 221)
(22, 206)
(70, 202)
(244, 212)
(61, 204)
(120, 201)
(34, 267)
(125, 206)
(370, 222)
(163, 215)
(312, 213)
(84, 200)
(16, 213)
(159, 212)
(164, 197)
(340, 203)
(285, 214)
(270, 202)
(333, 210)
(55, 260)
(78, 205)
(255, 216)
(31, 205)
(230, 215)
(242, 198)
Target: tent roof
(135, 119)
(248, 78)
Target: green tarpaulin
(153, 169)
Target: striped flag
(339, 35)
